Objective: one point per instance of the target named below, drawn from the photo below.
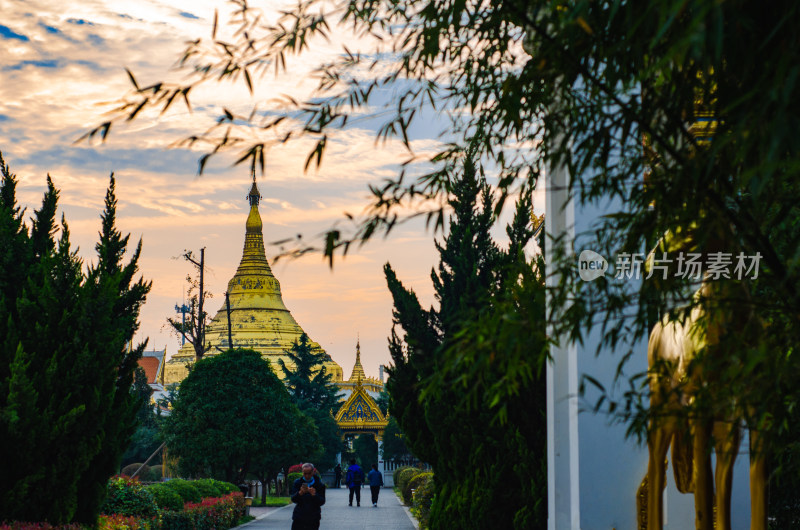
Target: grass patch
(274, 502)
(245, 519)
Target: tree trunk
(264, 485)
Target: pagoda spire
(358, 370)
(254, 271)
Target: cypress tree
(66, 413)
(312, 390)
(484, 441)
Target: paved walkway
(337, 515)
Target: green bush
(207, 487)
(130, 469)
(128, 496)
(177, 520)
(155, 474)
(224, 487)
(396, 474)
(185, 489)
(290, 480)
(166, 498)
(406, 475)
(423, 498)
(413, 484)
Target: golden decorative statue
(674, 382)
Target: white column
(381, 460)
(563, 486)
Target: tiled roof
(150, 365)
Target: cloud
(80, 22)
(51, 63)
(8, 33)
(50, 29)
(57, 84)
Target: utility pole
(228, 309)
(200, 336)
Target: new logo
(591, 265)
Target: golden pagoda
(259, 319)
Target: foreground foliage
(66, 410)
(685, 112)
(493, 471)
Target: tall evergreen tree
(312, 390)
(66, 411)
(484, 475)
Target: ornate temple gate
(361, 415)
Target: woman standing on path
(308, 496)
(375, 482)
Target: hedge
(184, 488)
(396, 474)
(127, 496)
(166, 498)
(224, 487)
(291, 478)
(207, 488)
(406, 475)
(210, 514)
(423, 498)
(126, 522)
(20, 525)
(413, 484)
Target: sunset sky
(61, 62)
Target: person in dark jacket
(308, 494)
(353, 479)
(337, 476)
(375, 479)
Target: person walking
(337, 476)
(308, 494)
(354, 478)
(375, 479)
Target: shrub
(297, 468)
(166, 498)
(185, 489)
(291, 478)
(127, 496)
(225, 487)
(396, 474)
(207, 487)
(213, 513)
(124, 522)
(413, 484)
(130, 469)
(20, 525)
(405, 476)
(423, 498)
(155, 474)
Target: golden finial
(358, 370)
(254, 195)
